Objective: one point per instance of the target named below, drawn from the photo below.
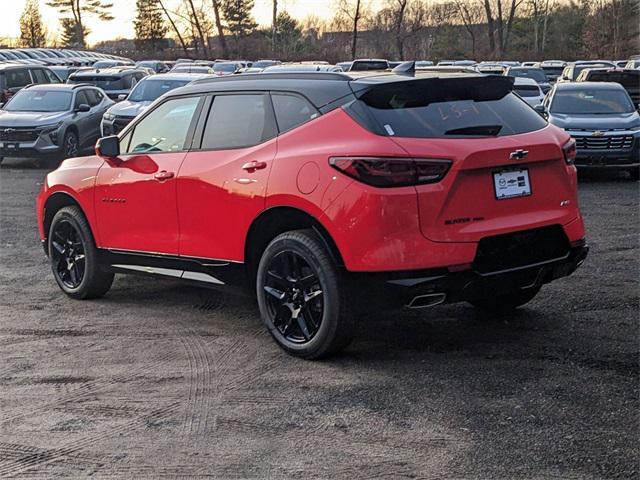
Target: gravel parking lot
(159, 379)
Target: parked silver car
(143, 94)
(49, 120)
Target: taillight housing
(386, 172)
(569, 150)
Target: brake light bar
(386, 172)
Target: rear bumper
(437, 286)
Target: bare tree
(500, 23)
(470, 13)
(174, 27)
(355, 12)
(220, 28)
(195, 21)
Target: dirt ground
(159, 379)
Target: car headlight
(109, 116)
(636, 128)
(51, 130)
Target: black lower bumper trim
(376, 291)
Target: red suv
(329, 193)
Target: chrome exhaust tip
(427, 300)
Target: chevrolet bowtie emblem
(597, 133)
(518, 154)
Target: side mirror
(108, 147)
(122, 96)
(83, 107)
(541, 109)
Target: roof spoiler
(419, 92)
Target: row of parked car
(595, 101)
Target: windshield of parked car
(149, 90)
(480, 106)
(39, 101)
(527, 90)
(536, 74)
(224, 67)
(591, 102)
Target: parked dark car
(117, 82)
(52, 120)
(603, 121)
(628, 78)
(14, 77)
(368, 64)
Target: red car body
(206, 204)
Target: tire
(74, 257)
(70, 145)
(294, 267)
(506, 302)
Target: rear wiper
(490, 130)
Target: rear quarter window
(292, 111)
(17, 78)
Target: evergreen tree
(32, 30)
(237, 14)
(78, 8)
(69, 36)
(149, 24)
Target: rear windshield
(451, 108)
(149, 90)
(527, 90)
(106, 83)
(536, 74)
(39, 101)
(626, 79)
(553, 71)
(363, 66)
(591, 102)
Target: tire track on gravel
(92, 387)
(42, 457)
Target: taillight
(569, 150)
(392, 172)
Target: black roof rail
(279, 76)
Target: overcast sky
(124, 13)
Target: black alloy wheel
(295, 298)
(68, 254)
(71, 145)
(302, 296)
(74, 257)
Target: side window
(237, 121)
(165, 128)
(39, 76)
(92, 96)
(52, 77)
(292, 111)
(81, 98)
(17, 78)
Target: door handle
(253, 166)
(163, 175)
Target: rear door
(222, 183)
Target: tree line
(398, 29)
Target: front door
(135, 195)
